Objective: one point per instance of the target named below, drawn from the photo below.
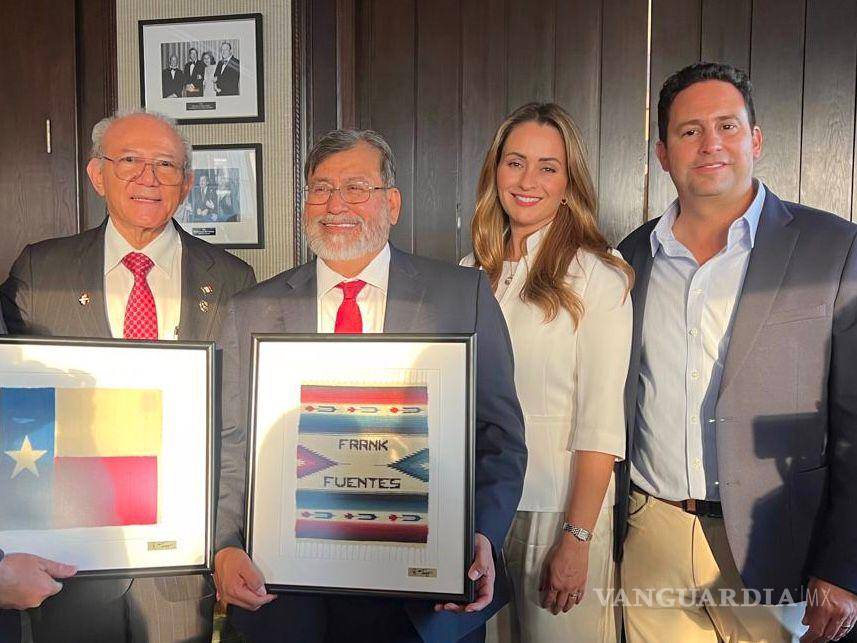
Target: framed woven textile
(361, 464)
(106, 454)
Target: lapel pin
(203, 305)
(84, 298)
(207, 289)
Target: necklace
(509, 279)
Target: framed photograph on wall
(203, 70)
(361, 464)
(224, 206)
(105, 466)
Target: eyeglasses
(320, 193)
(131, 168)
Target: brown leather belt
(706, 508)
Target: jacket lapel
(300, 307)
(769, 259)
(201, 296)
(91, 305)
(405, 293)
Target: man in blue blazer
(740, 486)
(351, 204)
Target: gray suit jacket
(424, 296)
(44, 295)
(786, 414)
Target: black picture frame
(66, 544)
(463, 515)
(241, 224)
(237, 98)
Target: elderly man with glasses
(136, 276)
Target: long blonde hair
(573, 228)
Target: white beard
(372, 236)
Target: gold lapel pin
(207, 289)
(84, 298)
(203, 305)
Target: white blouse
(570, 382)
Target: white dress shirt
(372, 298)
(570, 382)
(686, 330)
(165, 279)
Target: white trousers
(594, 620)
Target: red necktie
(141, 318)
(348, 318)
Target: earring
(563, 201)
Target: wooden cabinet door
(38, 169)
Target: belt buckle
(705, 508)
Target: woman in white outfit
(565, 297)
(208, 75)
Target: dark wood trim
(346, 64)
(97, 92)
(301, 79)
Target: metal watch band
(583, 535)
(2, 555)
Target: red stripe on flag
(364, 394)
(353, 530)
(102, 492)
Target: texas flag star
(25, 458)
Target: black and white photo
(203, 70)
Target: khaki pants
(683, 555)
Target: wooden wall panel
(776, 69)
(726, 32)
(392, 102)
(531, 56)
(483, 99)
(437, 137)
(96, 89)
(438, 80)
(675, 44)
(827, 150)
(40, 189)
(578, 70)
(322, 99)
(623, 102)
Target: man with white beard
(361, 284)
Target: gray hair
(341, 140)
(104, 124)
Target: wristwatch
(2, 555)
(580, 533)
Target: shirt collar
(377, 273)
(662, 234)
(161, 250)
(535, 239)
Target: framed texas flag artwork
(361, 464)
(105, 453)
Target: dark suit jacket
(41, 297)
(786, 413)
(172, 85)
(424, 296)
(194, 77)
(226, 77)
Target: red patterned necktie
(348, 318)
(141, 318)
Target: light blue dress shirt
(687, 324)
